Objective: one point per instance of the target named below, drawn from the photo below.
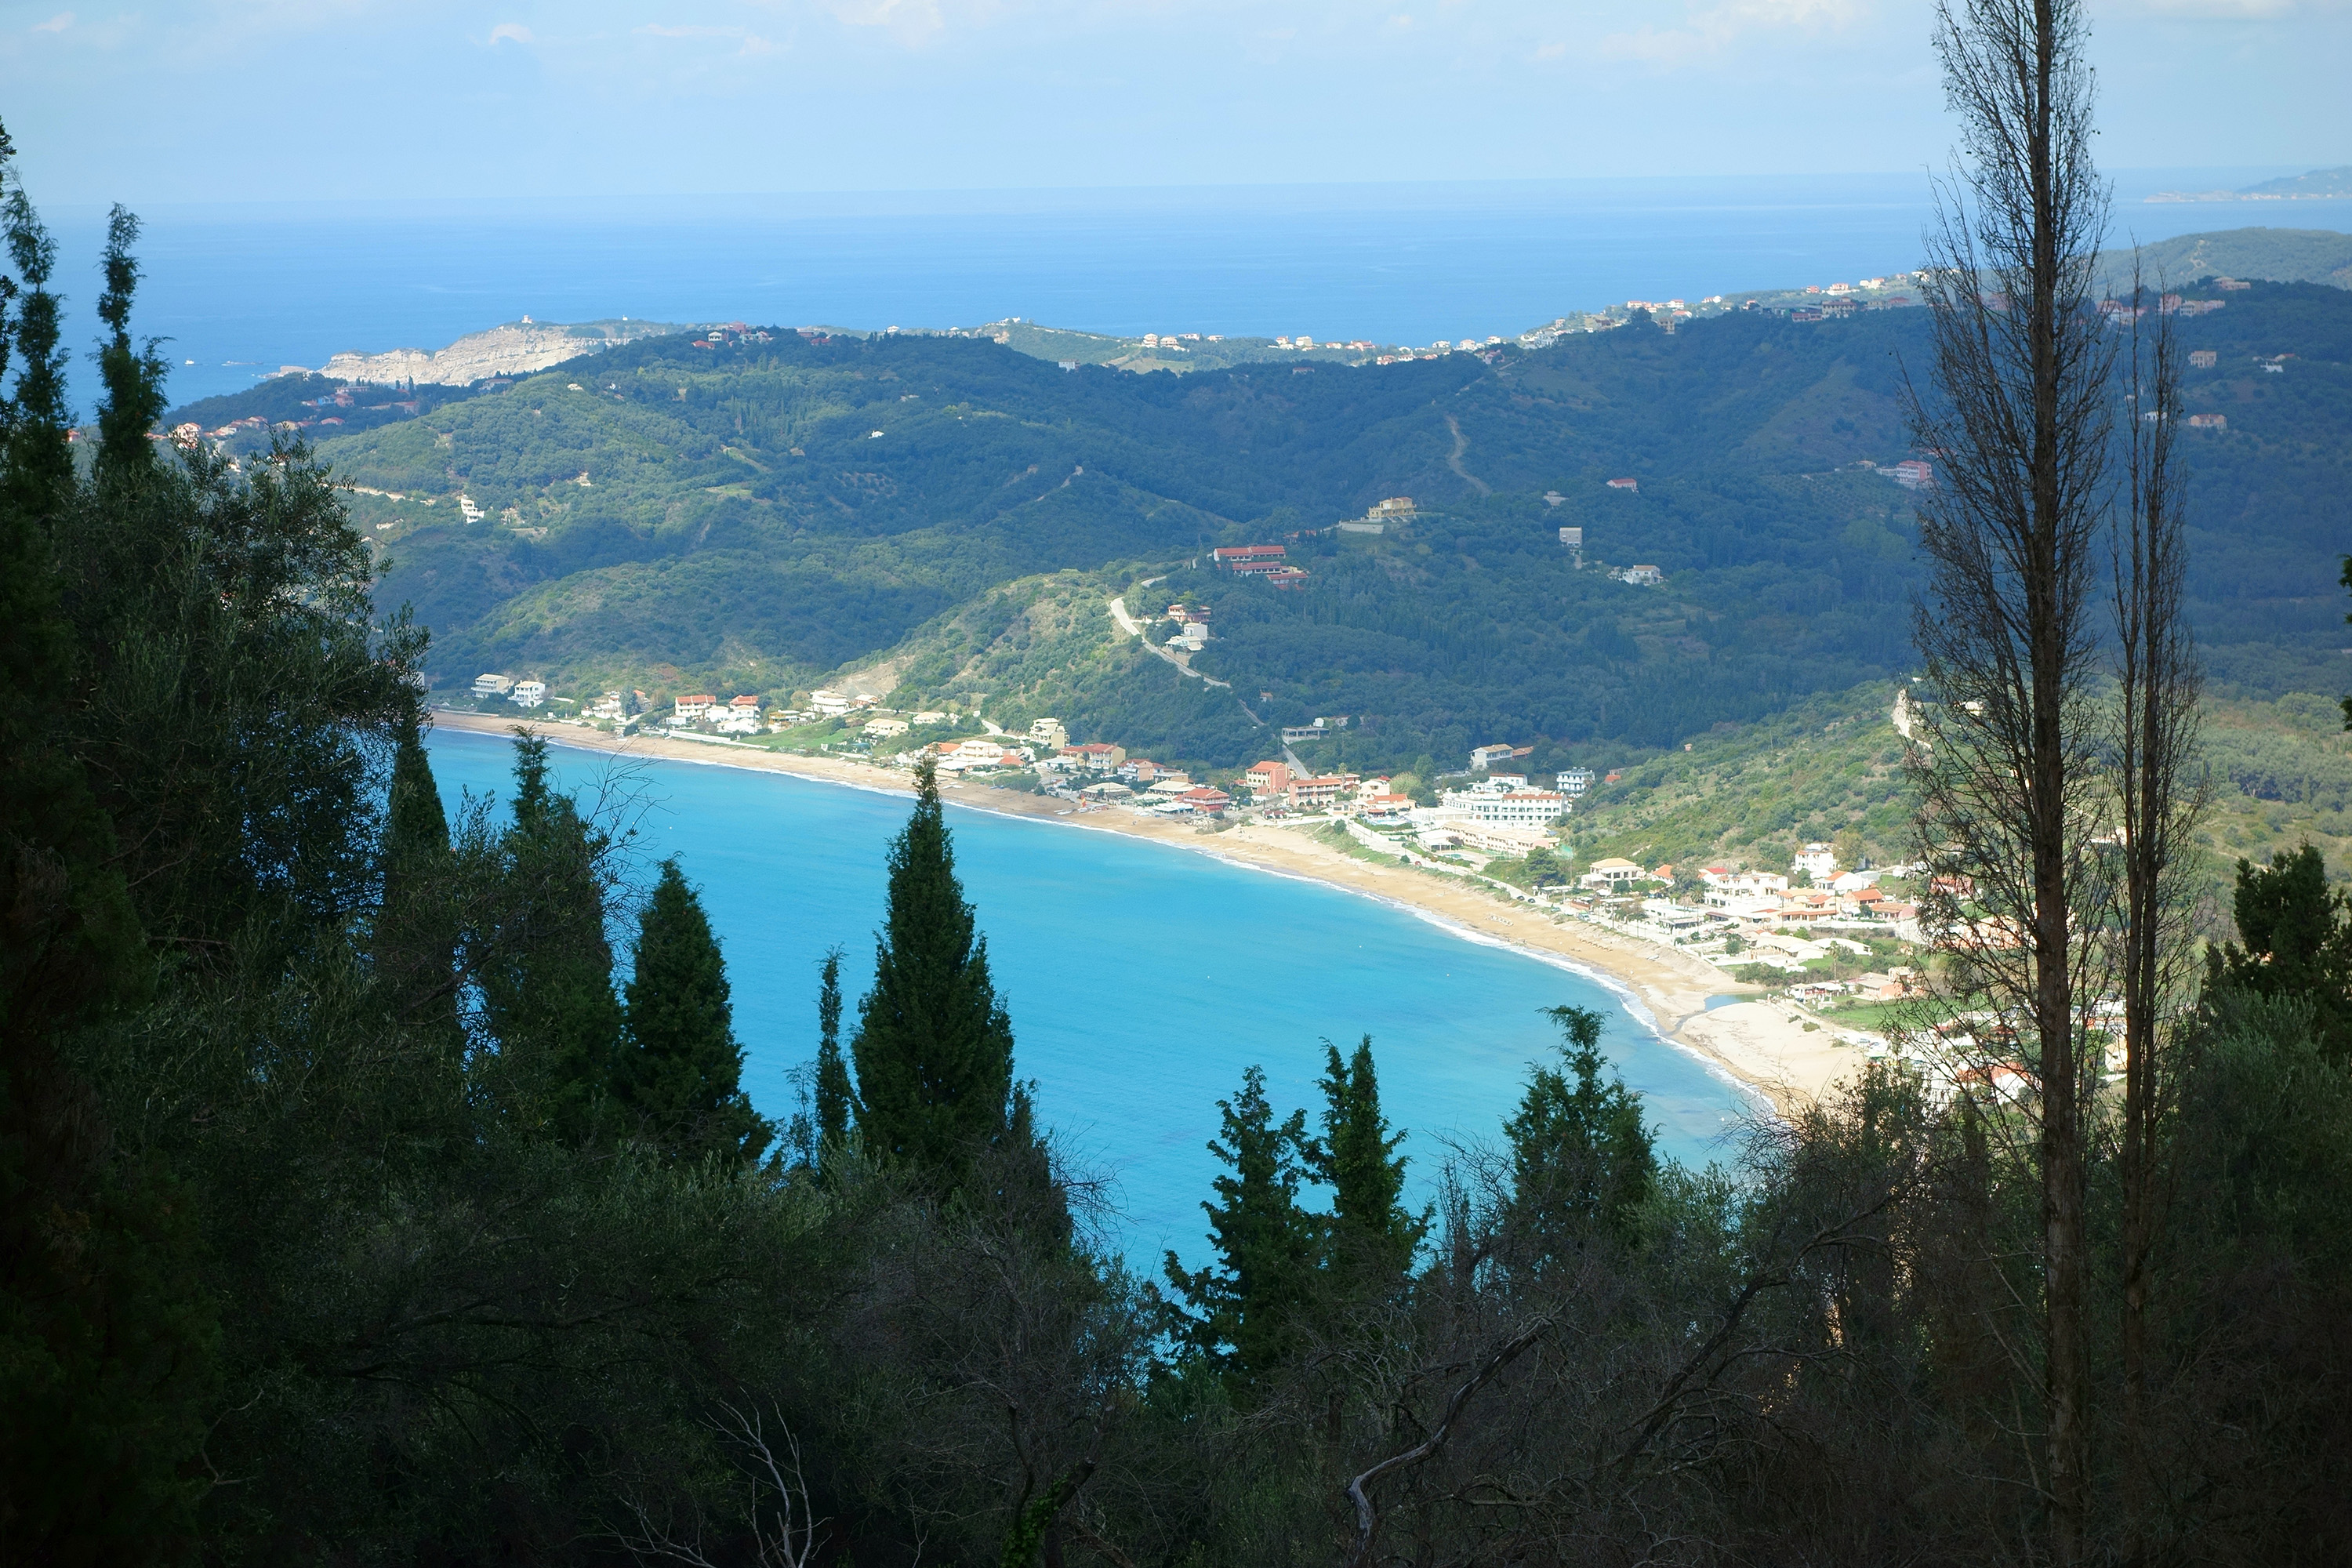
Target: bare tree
(2162, 792)
(776, 1519)
(2010, 789)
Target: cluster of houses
(1746, 917)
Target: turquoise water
(1143, 978)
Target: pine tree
(681, 1069)
(2298, 932)
(1372, 1234)
(547, 973)
(934, 1047)
(1582, 1162)
(833, 1095)
(1248, 1310)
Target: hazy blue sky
(210, 99)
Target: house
(2203, 359)
(487, 685)
(1236, 556)
(1049, 732)
(1382, 807)
(1396, 507)
(692, 707)
(1095, 756)
(1324, 791)
(1611, 873)
(1267, 779)
(1913, 474)
(975, 752)
(1138, 769)
(883, 728)
(1295, 577)
(1367, 788)
(609, 706)
(831, 704)
(1207, 799)
(1574, 781)
(1485, 757)
(1570, 538)
(528, 693)
(1818, 861)
(743, 707)
(1640, 576)
(1633, 486)
(2209, 422)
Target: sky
(588, 100)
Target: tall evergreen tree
(833, 1096)
(681, 1069)
(133, 377)
(1372, 1234)
(1250, 1307)
(934, 1046)
(547, 972)
(107, 1344)
(1582, 1160)
(416, 929)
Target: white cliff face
(517, 347)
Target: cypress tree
(934, 1047)
(133, 378)
(547, 975)
(1248, 1309)
(681, 1069)
(415, 946)
(833, 1096)
(1582, 1160)
(1372, 1236)
(108, 1345)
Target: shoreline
(1765, 1047)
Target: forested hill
(755, 516)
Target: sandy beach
(1764, 1044)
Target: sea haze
(1142, 979)
(242, 289)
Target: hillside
(1832, 769)
(757, 516)
(2271, 255)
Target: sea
(238, 291)
(1143, 978)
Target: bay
(1143, 978)
(241, 288)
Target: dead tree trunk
(2020, 428)
(2161, 794)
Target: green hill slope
(754, 516)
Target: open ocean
(242, 289)
(1141, 979)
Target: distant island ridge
(2318, 184)
(525, 347)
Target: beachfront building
(489, 685)
(1537, 809)
(1096, 756)
(1308, 795)
(528, 693)
(1611, 874)
(687, 709)
(1268, 780)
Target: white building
(1611, 873)
(528, 693)
(1049, 734)
(487, 685)
(1573, 781)
(1537, 808)
(831, 704)
(1818, 861)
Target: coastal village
(1833, 949)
